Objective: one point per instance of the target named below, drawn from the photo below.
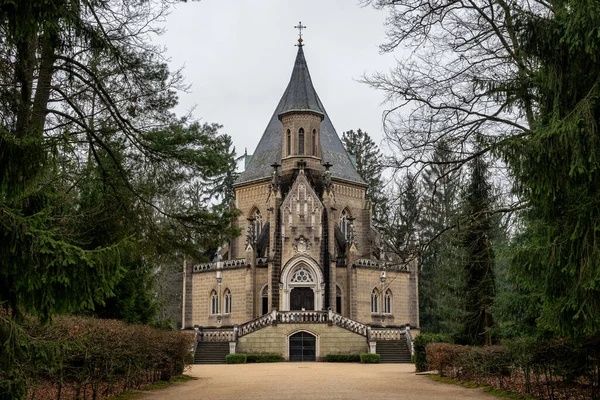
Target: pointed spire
(300, 95)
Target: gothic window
(301, 141)
(289, 142)
(338, 299)
(227, 300)
(302, 275)
(345, 223)
(375, 301)
(387, 302)
(314, 142)
(257, 223)
(265, 299)
(214, 303)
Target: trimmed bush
(235, 358)
(419, 344)
(263, 358)
(370, 358)
(342, 358)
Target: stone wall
(330, 340)
(397, 283)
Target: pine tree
(369, 165)
(441, 279)
(477, 236)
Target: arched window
(302, 275)
(345, 222)
(338, 299)
(301, 141)
(387, 302)
(257, 222)
(314, 142)
(214, 303)
(289, 142)
(375, 301)
(227, 300)
(265, 299)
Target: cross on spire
(300, 27)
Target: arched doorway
(303, 285)
(303, 347)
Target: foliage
(77, 354)
(263, 358)
(525, 77)
(420, 343)
(369, 165)
(441, 280)
(342, 358)
(235, 358)
(545, 369)
(98, 177)
(368, 358)
(477, 237)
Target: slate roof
(300, 95)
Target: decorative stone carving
(302, 275)
(301, 245)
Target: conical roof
(300, 95)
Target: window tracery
(301, 141)
(214, 303)
(387, 302)
(302, 275)
(375, 301)
(227, 300)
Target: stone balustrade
(294, 317)
(256, 324)
(215, 335)
(388, 334)
(368, 263)
(225, 264)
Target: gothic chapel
(309, 276)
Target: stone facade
(307, 241)
(330, 340)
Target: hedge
(545, 369)
(342, 358)
(419, 344)
(235, 358)
(263, 358)
(90, 357)
(370, 358)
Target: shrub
(370, 358)
(419, 344)
(263, 358)
(235, 358)
(342, 358)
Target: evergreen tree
(369, 165)
(477, 236)
(441, 278)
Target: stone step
(393, 351)
(211, 352)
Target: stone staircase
(393, 351)
(211, 352)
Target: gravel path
(313, 381)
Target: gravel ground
(313, 381)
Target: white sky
(238, 57)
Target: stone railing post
(235, 333)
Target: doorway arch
(302, 346)
(300, 278)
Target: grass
(154, 386)
(488, 389)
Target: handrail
(215, 335)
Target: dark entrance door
(302, 298)
(303, 347)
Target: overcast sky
(238, 57)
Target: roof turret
(300, 94)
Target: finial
(300, 27)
